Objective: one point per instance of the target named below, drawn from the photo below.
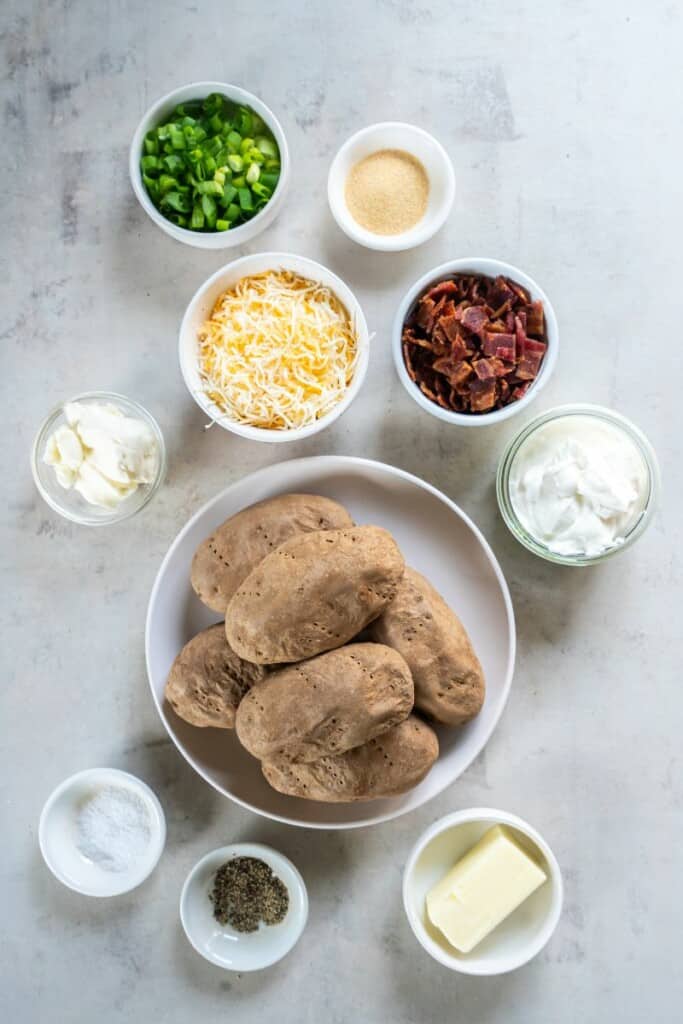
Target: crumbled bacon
(474, 343)
(482, 395)
(474, 318)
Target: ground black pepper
(246, 892)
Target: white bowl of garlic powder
(102, 832)
(371, 177)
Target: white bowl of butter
(98, 458)
(491, 883)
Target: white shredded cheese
(279, 351)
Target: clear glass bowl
(69, 503)
(607, 416)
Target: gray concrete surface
(563, 122)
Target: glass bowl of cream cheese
(98, 458)
(578, 484)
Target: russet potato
(386, 766)
(449, 681)
(225, 559)
(316, 592)
(326, 705)
(208, 680)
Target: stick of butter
(491, 880)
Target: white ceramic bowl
(58, 839)
(221, 944)
(200, 308)
(69, 503)
(492, 268)
(452, 553)
(419, 143)
(216, 239)
(517, 939)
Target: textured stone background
(563, 122)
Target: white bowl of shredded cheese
(274, 347)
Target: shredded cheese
(279, 351)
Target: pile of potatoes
(329, 645)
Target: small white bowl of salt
(101, 832)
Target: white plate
(436, 538)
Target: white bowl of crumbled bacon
(474, 341)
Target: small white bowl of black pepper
(243, 907)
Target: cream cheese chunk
(102, 453)
(491, 880)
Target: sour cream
(578, 485)
(102, 453)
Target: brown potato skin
(449, 681)
(224, 560)
(389, 765)
(208, 680)
(315, 593)
(326, 705)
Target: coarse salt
(113, 826)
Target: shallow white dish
(517, 939)
(215, 239)
(492, 268)
(413, 140)
(221, 944)
(58, 840)
(203, 302)
(452, 553)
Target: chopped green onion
(177, 136)
(177, 201)
(229, 193)
(209, 210)
(150, 165)
(267, 146)
(245, 121)
(209, 188)
(166, 183)
(210, 156)
(174, 164)
(245, 200)
(197, 219)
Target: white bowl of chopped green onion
(209, 164)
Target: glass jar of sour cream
(578, 484)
